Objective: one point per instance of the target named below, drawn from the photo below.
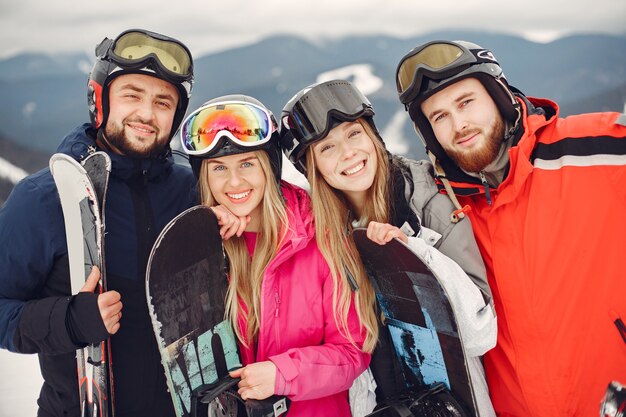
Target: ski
(84, 231)
(98, 168)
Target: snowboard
(84, 229)
(421, 323)
(186, 284)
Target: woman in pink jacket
(300, 329)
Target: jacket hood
(301, 226)
(81, 142)
(299, 211)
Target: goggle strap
(103, 48)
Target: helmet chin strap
(508, 131)
(460, 212)
(511, 129)
(419, 135)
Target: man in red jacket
(546, 197)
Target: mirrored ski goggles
(311, 117)
(435, 60)
(245, 124)
(134, 49)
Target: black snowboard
(186, 285)
(420, 320)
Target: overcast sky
(210, 25)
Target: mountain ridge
(42, 97)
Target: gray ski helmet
(223, 144)
(316, 110)
(138, 51)
(435, 65)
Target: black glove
(83, 320)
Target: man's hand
(109, 302)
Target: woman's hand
(230, 224)
(382, 233)
(257, 380)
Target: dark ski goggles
(311, 117)
(136, 49)
(246, 124)
(436, 61)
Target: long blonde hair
(246, 272)
(332, 234)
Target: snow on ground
(19, 384)
(11, 172)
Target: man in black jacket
(138, 94)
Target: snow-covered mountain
(43, 97)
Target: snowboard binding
(435, 400)
(222, 400)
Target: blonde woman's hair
(333, 220)
(377, 202)
(245, 272)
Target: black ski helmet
(138, 51)
(435, 65)
(316, 110)
(224, 145)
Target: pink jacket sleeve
(318, 371)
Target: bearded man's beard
(116, 136)
(477, 158)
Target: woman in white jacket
(328, 133)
